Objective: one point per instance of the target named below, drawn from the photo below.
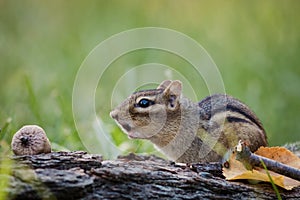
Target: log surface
(78, 175)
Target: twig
(250, 160)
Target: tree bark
(78, 175)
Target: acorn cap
(30, 140)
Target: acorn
(30, 140)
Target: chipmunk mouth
(126, 127)
(131, 133)
(128, 130)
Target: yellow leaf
(236, 169)
(280, 154)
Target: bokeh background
(255, 44)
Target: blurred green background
(255, 44)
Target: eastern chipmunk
(186, 131)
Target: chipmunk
(186, 131)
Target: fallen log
(78, 175)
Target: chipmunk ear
(173, 94)
(164, 84)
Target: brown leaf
(280, 154)
(237, 170)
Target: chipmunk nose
(114, 114)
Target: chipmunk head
(144, 113)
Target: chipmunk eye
(144, 103)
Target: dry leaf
(280, 154)
(237, 170)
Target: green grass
(255, 44)
(271, 181)
(5, 172)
